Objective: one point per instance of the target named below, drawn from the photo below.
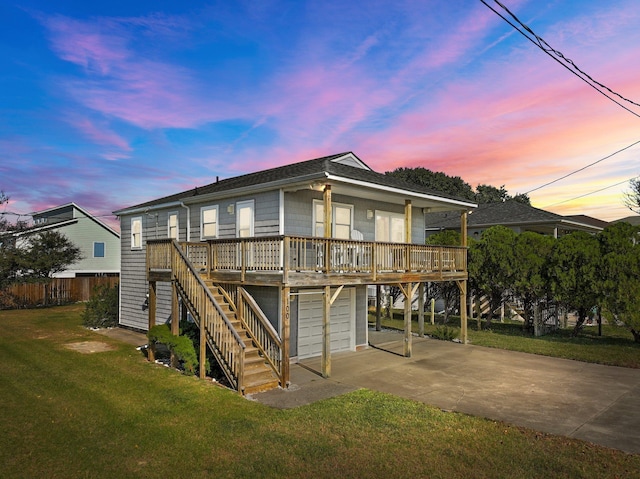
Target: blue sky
(109, 104)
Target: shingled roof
(315, 169)
(509, 213)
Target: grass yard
(112, 414)
(615, 347)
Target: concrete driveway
(599, 404)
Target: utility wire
(558, 56)
(592, 192)
(583, 168)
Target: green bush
(101, 311)
(180, 346)
(445, 333)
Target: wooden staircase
(258, 376)
(243, 341)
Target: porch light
(369, 214)
(230, 209)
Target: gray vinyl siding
(266, 215)
(268, 299)
(133, 280)
(299, 208)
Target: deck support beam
(152, 316)
(175, 321)
(421, 310)
(462, 285)
(326, 332)
(408, 293)
(285, 315)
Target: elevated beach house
(274, 266)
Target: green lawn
(111, 414)
(615, 347)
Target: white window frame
(244, 204)
(314, 220)
(391, 215)
(104, 249)
(136, 219)
(202, 224)
(177, 227)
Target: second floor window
(209, 222)
(98, 249)
(172, 226)
(342, 220)
(136, 232)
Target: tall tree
(492, 266)
(632, 197)
(620, 247)
(574, 272)
(437, 181)
(456, 186)
(10, 256)
(48, 253)
(532, 253)
(448, 290)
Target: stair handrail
(195, 276)
(261, 332)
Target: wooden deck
(297, 261)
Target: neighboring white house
(99, 244)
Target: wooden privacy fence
(58, 291)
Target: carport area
(592, 402)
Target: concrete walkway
(599, 404)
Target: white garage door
(343, 314)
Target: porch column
(407, 320)
(326, 332)
(378, 307)
(407, 222)
(175, 310)
(421, 310)
(285, 315)
(152, 316)
(328, 221)
(175, 322)
(463, 284)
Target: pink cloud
(123, 84)
(101, 133)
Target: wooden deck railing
(330, 255)
(303, 254)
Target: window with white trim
(390, 227)
(136, 232)
(172, 226)
(342, 220)
(98, 249)
(209, 222)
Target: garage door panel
(310, 316)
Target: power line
(583, 168)
(592, 192)
(560, 58)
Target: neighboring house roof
(99, 244)
(513, 214)
(52, 213)
(633, 219)
(588, 220)
(343, 169)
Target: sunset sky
(111, 103)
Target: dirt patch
(88, 347)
